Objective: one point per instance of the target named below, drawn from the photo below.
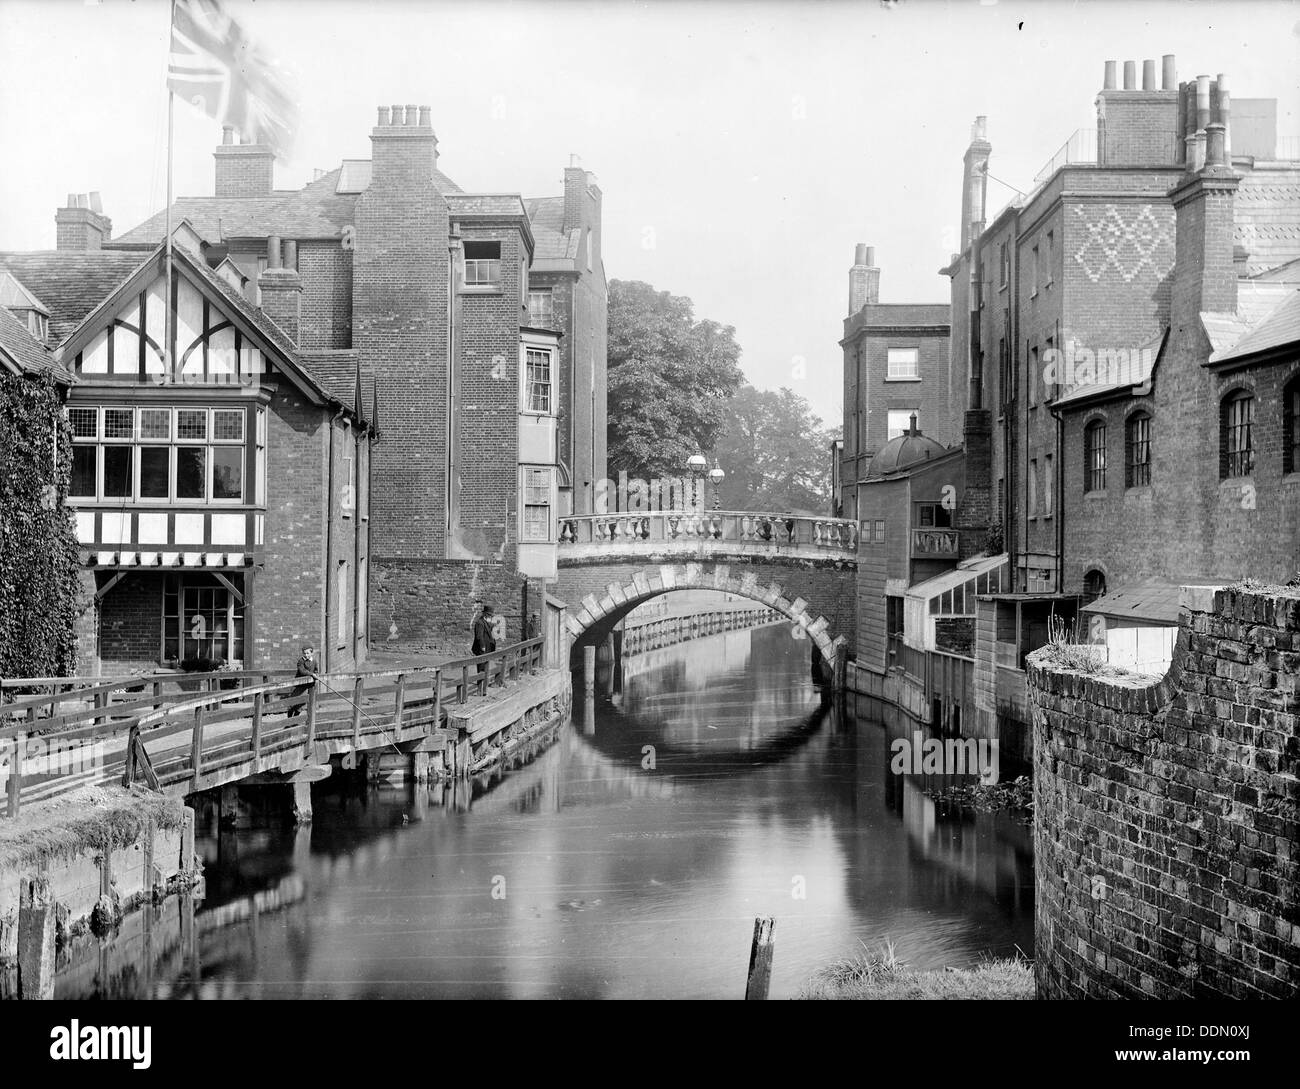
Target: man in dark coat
(484, 640)
(307, 667)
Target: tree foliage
(670, 378)
(38, 544)
(776, 454)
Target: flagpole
(167, 290)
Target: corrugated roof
(24, 351)
(964, 572)
(1280, 327)
(70, 283)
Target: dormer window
(38, 325)
(482, 264)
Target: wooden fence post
(15, 784)
(437, 699)
(257, 727)
(463, 694)
(358, 694)
(196, 748)
(399, 701)
(311, 719)
(760, 959)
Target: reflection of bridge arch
(773, 750)
(803, 591)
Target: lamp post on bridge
(695, 465)
(717, 476)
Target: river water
(704, 785)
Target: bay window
(161, 455)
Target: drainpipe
(327, 646)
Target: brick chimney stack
(82, 225)
(575, 192)
(404, 148)
(1139, 126)
(864, 279)
(281, 286)
(974, 180)
(1205, 277)
(243, 169)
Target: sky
(742, 148)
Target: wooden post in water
(760, 959)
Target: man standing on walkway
(307, 667)
(484, 639)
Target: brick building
(896, 365)
(221, 508)
(567, 293)
(492, 401)
(1124, 325)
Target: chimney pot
(1169, 73)
(871, 256)
(979, 128)
(1108, 84)
(399, 115)
(96, 204)
(384, 118)
(291, 255)
(1130, 76)
(860, 254)
(1148, 75)
(1202, 102)
(273, 251)
(1214, 133)
(426, 117)
(1225, 116)
(412, 115)
(72, 201)
(227, 134)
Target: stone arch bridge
(804, 568)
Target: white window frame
(547, 319)
(525, 385)
(526, 486)
(137, 443)
(899, 373)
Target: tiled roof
(70, 283)
(354, 176)
(336, 372)
(1280, 327)
(320, 209)
(1133, 373)
(28, 354)
(16, 297)
(553, 243)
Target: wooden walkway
(189, 732)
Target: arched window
(1094, 584)
(1291, 427)
(1094, 447)
(1236, 449)
(1137, 450)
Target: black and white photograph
(646, 500)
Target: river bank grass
(882, 976)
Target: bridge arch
(598, 612)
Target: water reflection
(702, 785)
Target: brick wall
(130, 628)
(326, 318)
(1166, 813)
(399, 326)
(432, 605)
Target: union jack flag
(215, 66)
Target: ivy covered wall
(38, 545)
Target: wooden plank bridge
(183, 733)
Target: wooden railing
(219, 721)
(743, 527)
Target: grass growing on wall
(38, 544)
(88, 821)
